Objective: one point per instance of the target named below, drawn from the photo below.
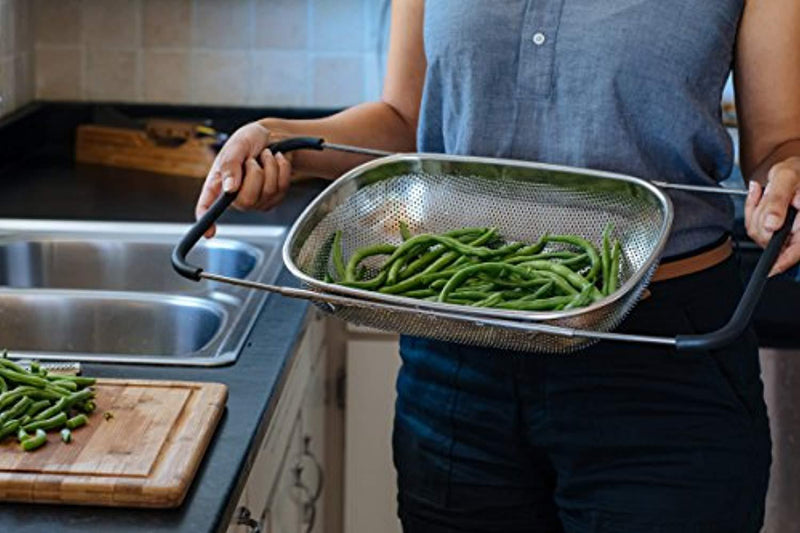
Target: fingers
(284, 173)
(210, 191)
(750, 204)
(270, 166)
(766, 214)
(249, 195)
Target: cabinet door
(283, 511)
(370, 481)
(313, 474)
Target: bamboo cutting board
(145, 456)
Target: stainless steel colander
(437, 193)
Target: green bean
(605, 257)
(23, 378)
(421, 262)
(534, 248)
(405, 233)
(87, 407)
(582, 299)
(575, 279)
(338, 255)
(51, 423)
(35, 442)
(474, 284)
(450, 242)
(497, 269)
(370, 284)
(18, 409)
(11, 365)
(3, 385)
(363, 253)
(544, 304)
(416, 281)
(438, 284)
(529, 283)
(35, 368)
(66, 435)
(447, 258)
(77, 421)
(60, 405)
(491, 300)
(613, 276)
(394, 270)
(576, 262)
(81, 381)
(22, 434)
(516, 259)
(419, 293)
(469, 295)
(539, 293)
(7, 398)
(9, 428)
(588, 247)
(559, 282)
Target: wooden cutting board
(145, 456)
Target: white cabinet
(282, 493)
(369, 476)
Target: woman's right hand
(245, 164)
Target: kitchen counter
(45, 183)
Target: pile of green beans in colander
(477, 267)
(33, 402)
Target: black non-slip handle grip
(219, 206)
(728, 333)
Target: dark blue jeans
(617, 438)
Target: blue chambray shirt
(631, 86)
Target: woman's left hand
(765, 210)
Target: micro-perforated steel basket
(439, 193)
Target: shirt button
(539, 38)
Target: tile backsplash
(300, 53)
(16, 54)
(296, 53)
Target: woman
(617, 438)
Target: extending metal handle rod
(699, 188)
(334, 300)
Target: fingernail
(753, 186)
(280, 156)
(772, 222)
(228, 184)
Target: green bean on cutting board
(33, 402)
(476, 266)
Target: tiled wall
(315, 53)
(16, 54)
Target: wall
(16, 54)
(314, 53)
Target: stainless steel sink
(116, 265)
(85, 291)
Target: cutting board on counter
(144, 456)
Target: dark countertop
(46, 184)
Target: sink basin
(111, 324)
(106, 292)
(117, 265)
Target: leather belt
(694, 263)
